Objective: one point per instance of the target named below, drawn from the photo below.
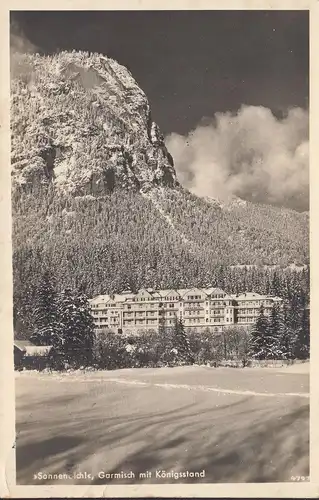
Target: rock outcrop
(81, 122)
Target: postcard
(159, 249)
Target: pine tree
(286, 335)
(275, 287)
(301, 348)
(76, 341)
(86, 326)
(67, 316)
(45, 313)
(298, 322)
(182, 344)
(259, 347)
(279, 337)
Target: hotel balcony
(194, 306)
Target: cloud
(250, 154)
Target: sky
(221, 84)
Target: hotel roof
(181, 292)
(250, 296)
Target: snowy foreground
(163, 425)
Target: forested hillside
(96, 200)
(124, 242)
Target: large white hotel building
(200, 309)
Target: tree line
(283, 335)
(62, 319)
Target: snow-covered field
(297, 368)
(236, 425)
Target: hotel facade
(200, 309)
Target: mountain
(85, 126)
(95, 195)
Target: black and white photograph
(160, 246)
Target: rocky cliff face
(81, 122)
